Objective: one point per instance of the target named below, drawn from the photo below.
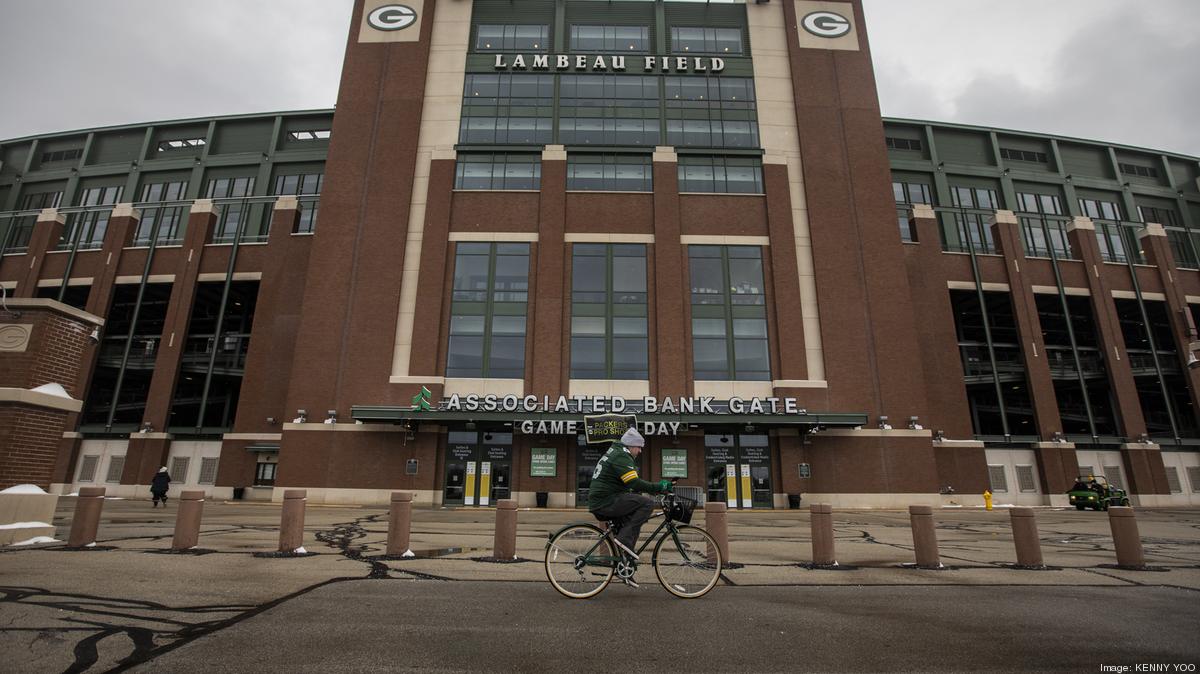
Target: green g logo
(392, 17)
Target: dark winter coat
(160, 483)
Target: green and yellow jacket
(616, 474)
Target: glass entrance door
(586, 459)
(461, 466)
(495, 469)
(738, 470)
(478, 468)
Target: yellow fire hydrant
(987, 499)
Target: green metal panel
(13, 157)
(1150, 161)
(116, 147)
(1185, 175)
(689, 14)
(235, 137)
(1053, 189)
(508, 12)
(153, 177)
(304, 123)
(610, 14)
(1082, 160)
(963, 147)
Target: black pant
(632, 510)
(159, 496)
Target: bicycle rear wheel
(687, 562)
(579, 561)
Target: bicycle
(582, 558)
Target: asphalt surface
(446, 626)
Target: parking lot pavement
(127, 602)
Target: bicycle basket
(681, 509)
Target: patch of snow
(53, 389)
(408, 553)
(300, 551)
(74, 493)
(114, 498)
(90, 545)
(23, 489)
(37, 540)
(24, 525)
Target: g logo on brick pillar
(384, 21)
(826, 25)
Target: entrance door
(586, 459)
(478, 470)
(738, 470)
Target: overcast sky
(1113, 70)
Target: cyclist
(615, 483)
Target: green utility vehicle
(1093, 491)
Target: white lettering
(519, 61)
(581, 62)
(599, 64)
(681, 64)
(674, 427)
(687, 405)
(756, 406)
(527, 427)
(490, 403)
(736, 405)
(541, 61)
(562, 61)
(598, 405)
(618, 63)
(668, 406)
(452, 404)
(500, 61)
(562, 405)
(618, 404)
(789, 406)
(774, 405)
(472, 402)
(706, 405)
(510, 403)
(699, 65)
(529, 403)
(649, 404)
(650, 61)
(717, 65)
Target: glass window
(512, 37)
(488, 310)
(1043, 226)
(711, 112)
(164, 223)
(968, 229)
(235, 214)
(307, 186)
(729, 320)
(691, 40)
(86, 229)
(609, 324)
(610, 172)
(608, 110)
(498, 171)
(508, 109)
(610, 39)
(734, 175)
(907, 194)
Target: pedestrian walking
(159, 486)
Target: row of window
(607, 39)
(609, 312)
(686, 111)
(178, 470)
(608, 172)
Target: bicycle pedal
(631, 583)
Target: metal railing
(231, 350)
(967, 230)
(1118, 241)
(1045, 236)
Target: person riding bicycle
(615, 483)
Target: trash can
(543, 497)
(794, 501)
(239, 493)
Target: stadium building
(522, 213)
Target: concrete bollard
(291, 525)
(925, 543)
(1025, 537)
(822, 534)
(86, 521)
(1126, 539)
(400, 524)
(187, 520)
(717, 525)
(506, 530)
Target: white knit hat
(632, 438)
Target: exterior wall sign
(826, 25)
(474, 402)
(15, 336)
(388, 21)
(612, 62)
(543, 462)
(674, 463)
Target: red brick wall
(29, 439)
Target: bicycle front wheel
(687, 562)
(579, 561)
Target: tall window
(87, 229)
(608, 110)
(968, 229)
(20, 230)
(711, 112)
(512, 37)
(610, 172)
(993, 368)
(233, 213)
(907, 194)
(729, 315)
(1117, 241)
(610, 39)
(1184, 245)
(685, 40)
(162, 223)
(488, 310)
(732, 175)
(1151, 349)
(508, 109)
(608, 311)
(1076, 366)
(497, 171)
(1043, 227)
(307, 186)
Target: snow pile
(37, 540)
(23, 489)
(300, 551)
(25, 525)
(53, 389)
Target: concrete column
(291, 525)
(400, 524)
(788, 304)
(1007, 234)
(717, 526)
(822, 534)
(1081, 232)
(1057, 468)
(87, 517)
(1126, 539)
(437, 263)
(925, 543)
(47, 232)
(506, 530)
(187, 520)
(1025, 538)
(670, 346)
